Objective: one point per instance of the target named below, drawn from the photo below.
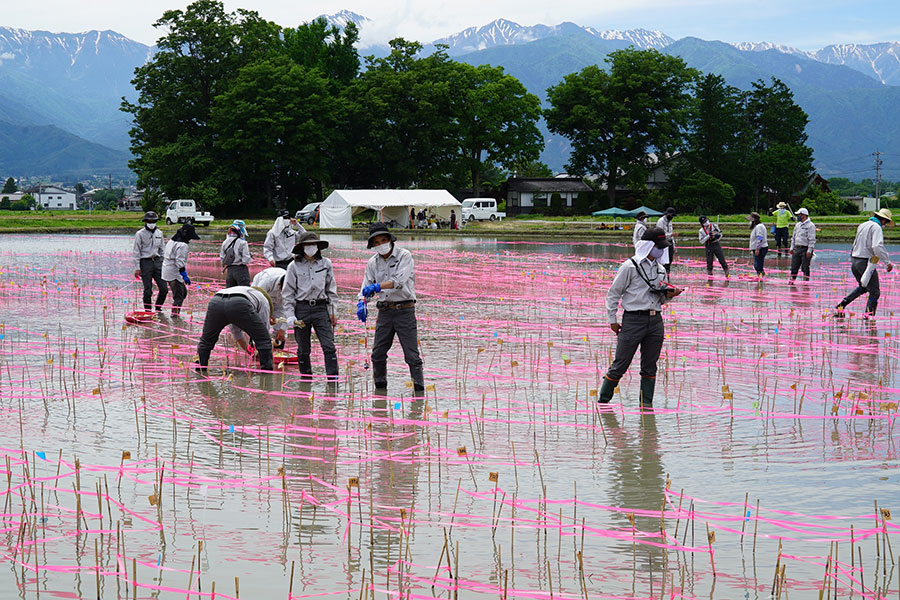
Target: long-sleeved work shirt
(241, 250)
(280, 240)
(666, 225)
(709, 232)
(639, 228)
(268, 280)
(869, 242)
(310, 280)
(783, 217)
(261, 304)
(174, 260)
(804, 235)
(147, 244)
(759, 237)
(631, 291)
(397, 267)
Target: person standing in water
(148, 260)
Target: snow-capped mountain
(342, 18)
(879, 61)
(502, 32)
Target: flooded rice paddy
(767, 467)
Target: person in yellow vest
(783, 218)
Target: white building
(51, 197)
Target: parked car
(480, 209)
(309, 213)
(180, 211)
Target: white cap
(803, 211)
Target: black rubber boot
(648, 386)
(606, 391)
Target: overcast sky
(805, 24)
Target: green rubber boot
(648, 386)
(606, 391)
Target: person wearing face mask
(868, 251)
(174, 266)
(709, 237)
(390, 274)
(310, 288)
(235, 255)
(665, 223)
(281, 239)
(148, 260)
(759, 244)
(641, 287)
(803, 244)
(783, 217)
(640, 226)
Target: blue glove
(361, 311)
(184, 276)
(371, 289)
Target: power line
(878, 163)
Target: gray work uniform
(709, 236)
(148, 258)
(639, 228)
(642, 323)
(174, 261)
(237, 271)
(280, 242)
(803, 241)
(309, 287)
(244, 308)
(396, 314)
(759, 246)
(666, 225)
(869, 242)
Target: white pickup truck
(180, 211)
(480, 209)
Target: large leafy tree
(779, 159)
(10, 187)
(172, 139)
(615, 118)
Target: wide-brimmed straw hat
(306, 239)
(754, 216)
(884, 213)
(781, 205)
(376, 229)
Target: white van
(480, 209)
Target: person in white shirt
(235, 255)
(640, 226)
(665, 223)
(759, 243)
(390, 274)
(310, 292)
(174, 267)
(642, 288)
(868, 251)
(709, 236)
(148, 259)
(281, 239)
(245, 308)
(803, 245)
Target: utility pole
(878, 163)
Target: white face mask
(310, 250)
(383, 249)
(655, 253)
(151, 226)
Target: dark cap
(703, 219)
(186, 233)
(655, 235)
(376, 229)
(640, 215)
(308, 238)
(670, 211)
(150, 217)
(284, 213)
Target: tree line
(240, 113)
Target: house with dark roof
(524, 194)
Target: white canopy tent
(339, 207)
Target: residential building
(51, 197)
(524, 194)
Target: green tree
(614, 118)
(5, 203)
(530, 168)
(779, 159)
(702, 193)
(10, 187)
(496, 119)
(172, 141)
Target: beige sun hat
(781, 205)
(884, 213)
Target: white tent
(391, 206)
